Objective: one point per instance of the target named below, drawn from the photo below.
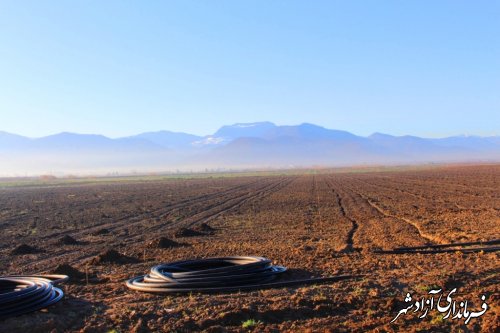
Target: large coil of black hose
(22, 294)
(216, 275)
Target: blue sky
(428, 68)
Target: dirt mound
(204, 228)
(186, 232)
(162, 243)
(73, 273)
(67, 240)
(112, 256)
(307, 248)
(25, 249)
(99, 232)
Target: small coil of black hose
(20, 294)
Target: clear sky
(428, 68)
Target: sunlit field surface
(316, 223)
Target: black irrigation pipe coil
(217, 275)
(21, 294)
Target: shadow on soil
(67, 315)
(305, 308)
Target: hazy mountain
(250, 130)
(227, 134)
(291, 150)
(268, 145)
(408, 143)
(10, 141)
(493, 139)
(65, 153)
(255, 145)
(472, 142)
(268, 130)
(173, 140)
(309, 132)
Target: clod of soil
(112, 256)
(162, 243)
(67, 240)
(204, 228)
(103, 231)
(25, 249)
(70, 271)
(140, 327)
(307, 248)
(185, 232)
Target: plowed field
(316, 224)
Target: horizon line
(112, 137)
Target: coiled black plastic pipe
(217, 275)
(22, 294)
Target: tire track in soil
(418, 196)
(262, 192)
(231, 204)
(165, 211)
(133, 219)
(388, 188)
(443, 189)
(354, 224)
(123, 223)
(231, 194)
(428, 237)
(312, 206)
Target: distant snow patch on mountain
(210, 140)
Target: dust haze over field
(239, 146)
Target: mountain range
(238, 146)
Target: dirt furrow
(354, 224)
(431, 238)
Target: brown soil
(25, 249)
(186, 232)
(73, 273)
(67, 240)
(99, 232)
(163, 243)
(113, 257)
(316, 224)
(204, 228)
